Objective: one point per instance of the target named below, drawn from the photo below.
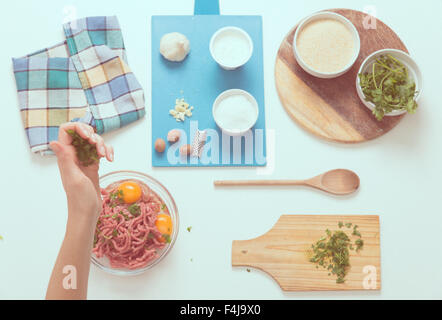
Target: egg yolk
(164, 224)
(131, 191)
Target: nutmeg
(186, 150)
(160, 145)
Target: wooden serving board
(330, 108)
(283, 253)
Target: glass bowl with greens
(389, 83)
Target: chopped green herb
(189, 229)
(134, 209)
(125, 216)
(1, 238)
(359, 244)
(356, 232)
(150, 235)
(167, 238)
(332, 251)
(86, 152)
(163, 206)
(389, 87)
(114, 233)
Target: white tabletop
(400, 172)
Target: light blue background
(400, 172)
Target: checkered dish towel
(85, 78)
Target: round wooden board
(331, 108)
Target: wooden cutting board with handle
(330, 108)
(283, 253)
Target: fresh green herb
(332, 251)
(163, 206)
(134, 209)
(1, 238)
(356, 232)
(115, 216)
(125, 216)
(86, 152)
(116, 198)
(150, 235)
(189, 229)
(167, 238)
(389, 87)
(359, 244)
(114, 233)
(116, 195)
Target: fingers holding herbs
(89, 146)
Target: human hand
(80, 183)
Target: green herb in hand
(389, 87)
(86, 152)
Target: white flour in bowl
(326, 45)
(235, 113)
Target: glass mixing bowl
(163, 193)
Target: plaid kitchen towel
(49, 94)
(114, 95)
(85, 78)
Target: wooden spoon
(338, 181)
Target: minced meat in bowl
(138, 224)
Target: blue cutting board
(199, 80)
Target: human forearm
(73, 259)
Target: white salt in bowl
(327, 15)
(409, 63)
(229, 93)
(236, 32)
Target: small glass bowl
(112, 177)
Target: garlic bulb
(174, 46)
